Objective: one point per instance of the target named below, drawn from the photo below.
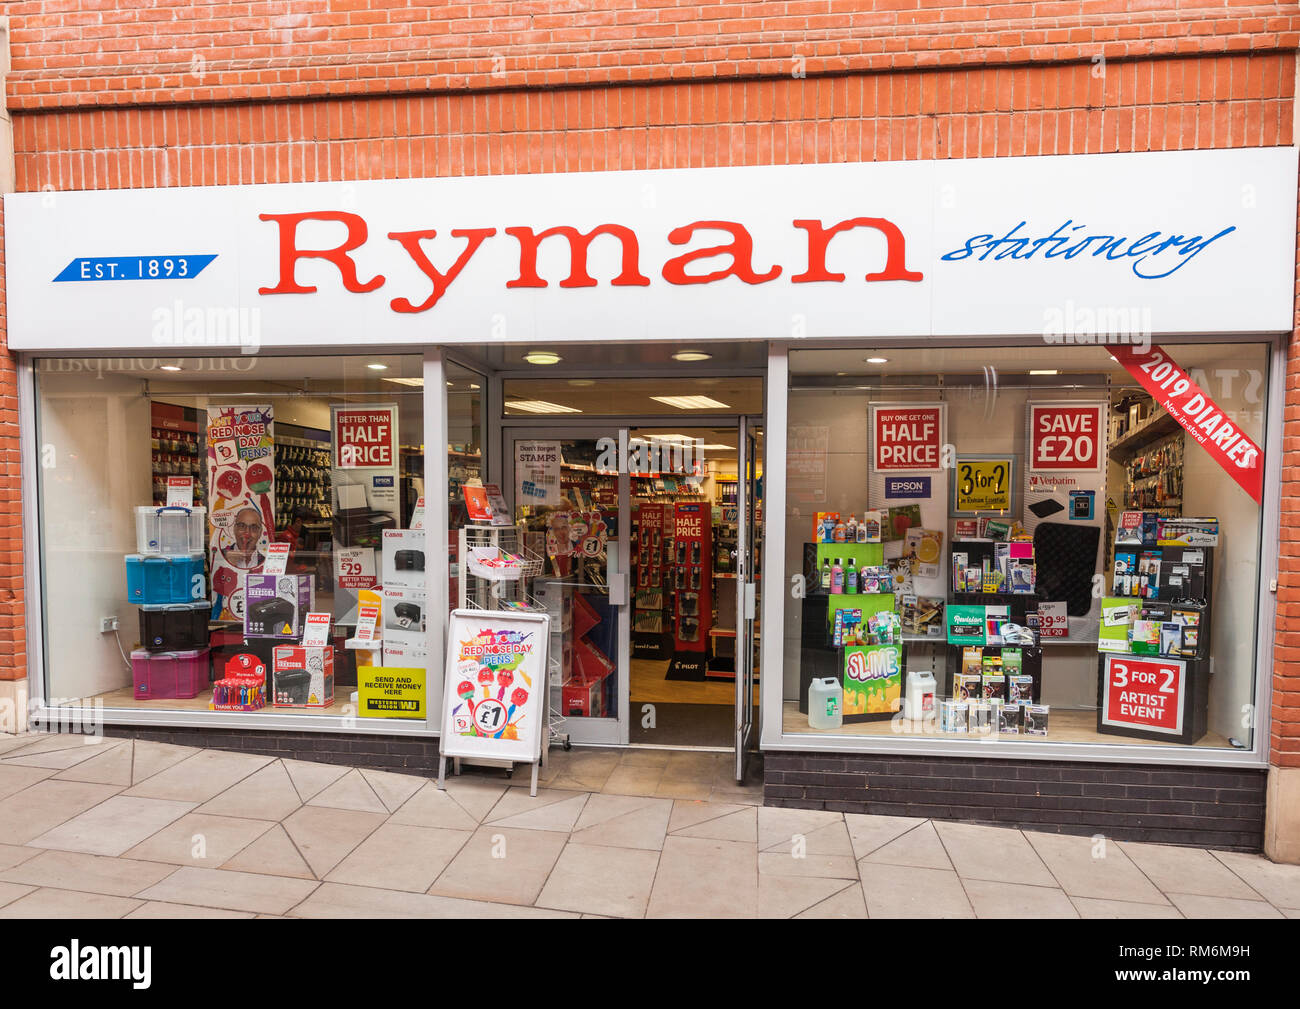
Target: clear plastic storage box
(169, 530)
(169, 675)
(158, 579)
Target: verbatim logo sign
(783, 253)
(706, 240)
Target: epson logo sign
(907, 486)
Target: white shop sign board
(496, 681)
(1166, 242)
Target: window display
(1048, 544)
(299, 474)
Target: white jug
(825, 703)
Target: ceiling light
(692, 355)
(542, 357)
(377, 367)
(691, 402)
(170, 367)
(877, 360)
(418, 383)
(539, 406)
(582, 383)
(1043, 371)
(473, 386)
(719, 448)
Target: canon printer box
(403, 559)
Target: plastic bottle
(837, 578)
(851, 530)
(841, 530)
(826, 575)
(851, 578)
(860, 534)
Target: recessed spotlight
(377, 367)
(692, 355)
(582, 383)
(690, 402)
(877, 360)
(1043, 371)
(542, 357)
(169, 367)
(538, 406)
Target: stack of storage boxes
(166, 580)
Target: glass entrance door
(570, 501)
(748, 548)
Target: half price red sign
(365, 439)
(907, 438)
(1144, 694)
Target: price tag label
(277, 558)
(417, 514)
(367, 617)
(317, 631)
(1053, 621)
(354, 568)
(180, 491)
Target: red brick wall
(107, 52)
(108, 95)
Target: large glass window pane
(963, 490)
(169, 491)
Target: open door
(576, 520)
(749, 540)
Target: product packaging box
(1009, 720)
(582, 698)
(952, 715)
(994, 687)
(1145, 637)
(405, 654)
(403, 558)
(979, 718)
(275, 606)
(1020, 689)
(303, 677)
(403, 610)
(967, 686)
(1034, 719)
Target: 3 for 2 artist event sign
(1144, 694)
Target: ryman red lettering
(739, 250)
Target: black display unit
(1195, 667)
(1017, 604)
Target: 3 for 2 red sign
(1066, 436)
(1144, 694)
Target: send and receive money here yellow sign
(390, 692)
(983, 485)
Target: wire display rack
(496, 573)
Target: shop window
(194, 511)
(464, 462)
(1024, 544)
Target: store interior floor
(686, 713)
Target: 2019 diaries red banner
(1201, 417)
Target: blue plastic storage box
(159, 580)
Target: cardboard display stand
(494, 699)
(691, 589)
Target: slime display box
(275, 606)
(303, 677)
